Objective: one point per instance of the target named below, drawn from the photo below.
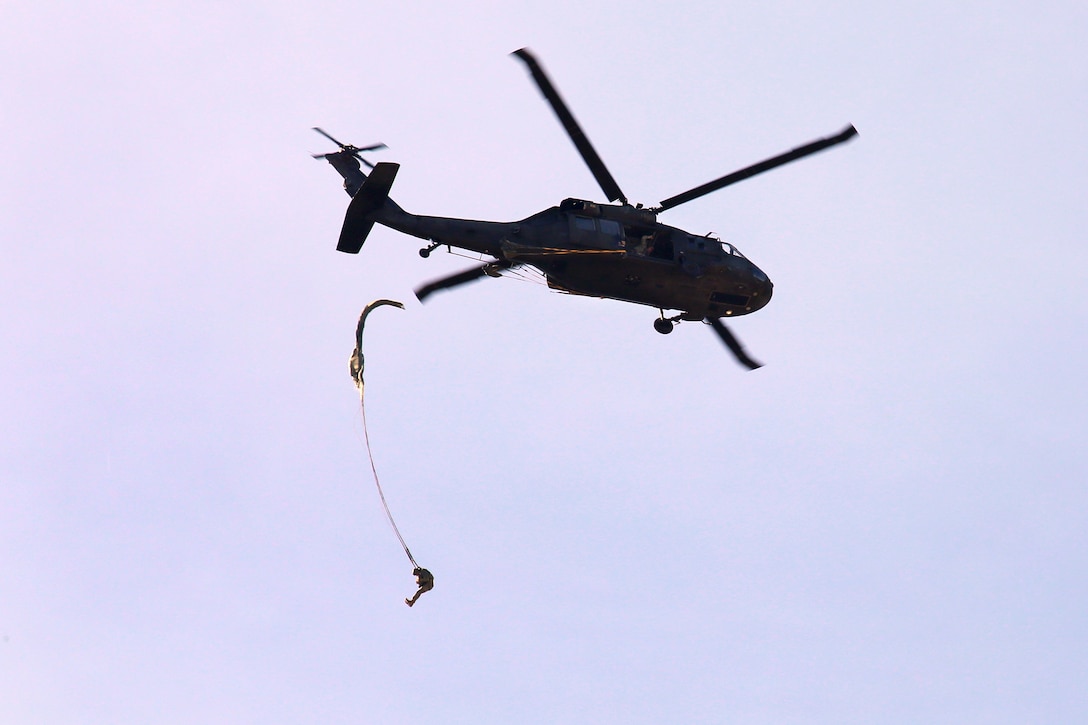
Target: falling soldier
(425, 580)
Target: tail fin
(370, 198)
(347, 165)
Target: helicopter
(582, 247)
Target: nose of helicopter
(764, 288)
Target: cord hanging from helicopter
(356, 365)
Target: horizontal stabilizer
(370, 198)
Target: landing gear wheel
(663, 326)
(424, 252)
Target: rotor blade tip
(733, 344)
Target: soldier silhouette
(425, 580)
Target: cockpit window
(725, 246)
(732, 250)
(584, 224)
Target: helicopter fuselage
(610, 251)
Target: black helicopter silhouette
(614, 251)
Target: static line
(356, 365)
(377, 483)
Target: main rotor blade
(608, 185)
(800, 152)
(326, 135)
(454, 280)
(347, 147)
(733, 344)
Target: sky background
(883, 524)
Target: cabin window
(611, 228)
(596, 233)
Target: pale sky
(883, 524)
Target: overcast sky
(886, 523)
